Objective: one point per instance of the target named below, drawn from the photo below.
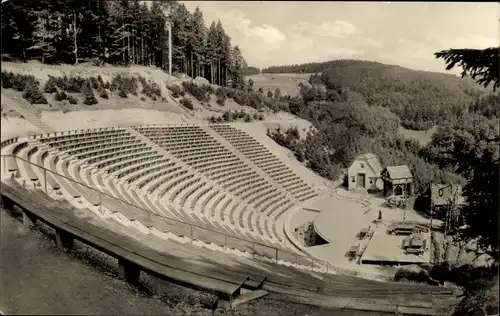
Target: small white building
(364, 173)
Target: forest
(121, 32)
(420, 99)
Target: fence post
(45, 180)
(225, 242)
(191, 228)
(276, 254)
(312, 264)
(100, 202)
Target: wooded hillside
(120, 32)
(420, 99)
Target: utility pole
(169, 25)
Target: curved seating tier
(265, 160)
(161, 175)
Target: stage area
(388, 249)
(341, 218)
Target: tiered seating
(265, 160)
(201, 183)
(206, 155)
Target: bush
(60, 96)
(403, 274)
(94, 83)
(122, 94)
(7, 79)
(187, 103)
(127, 84)
(143, 99)
(88, 94)
(50, 85)
(199, 92)
(150, 88)
(248, 118)
(221, 101)
(75, 84)
(103, 93)
(33, 94)
(17, 82)
(101, 82)
(72, 100)
(176, 91)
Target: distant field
(423, 137)
(287, 83)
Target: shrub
(17, 82)
(176, 91)
(187, 103)
(75, 84)
(72, 100)
(128, 84)
(101, 82)
(95, 84)
(60, 96)
(403, 274)
(50, 85)
(7, 78)
(248, 118)
(150, 88)
(103, 93)
(122, 94)
(199, 92)
(143, 99)
(88, 94)
(33, 94)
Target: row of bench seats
(139, 173)
(251, 211)
(209, 157)
(265, 160)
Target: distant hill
(420, 98)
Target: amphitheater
(206, 205)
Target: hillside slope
(134, 109)
(420, 99)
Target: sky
(400, 33)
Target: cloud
(335, 29)
(370, 42)
(476, 41)
(268, 34)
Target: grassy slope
(39, 279)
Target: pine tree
(211, 51)
(122, 31)
(238, 64)
(199, 41)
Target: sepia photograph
(234, 158)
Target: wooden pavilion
(398, 181)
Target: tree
(238, 64)
(277, 94)
(199, 41)
(477, 157)
(482, 63)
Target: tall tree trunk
(192, 68)
(142, 50)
